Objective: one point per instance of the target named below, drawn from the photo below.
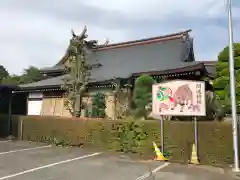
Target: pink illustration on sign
(163, 106)
(164, 94)
(178, 97)
(195, 107)
(182, 97)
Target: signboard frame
(180, 83)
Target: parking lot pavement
(10, 146)
(26, 161)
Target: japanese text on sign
(199, 93)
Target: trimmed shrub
(221, 80)
(98, 105)
(142, 94)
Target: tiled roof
(123, 62)
(210, 67)
(152, 54)
(55, 81)
(139, 42)
(144, 41)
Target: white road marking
(5, 141)
(26, 149)
(146, 175)
(49, 165)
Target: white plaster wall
(35, 103)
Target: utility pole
(232, 87)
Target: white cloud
(159, 9)
(220, 9)
(211, 42)
(37, 32)
(36, 39)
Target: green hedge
(215, 138)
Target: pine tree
(98, 105)
(78, 72)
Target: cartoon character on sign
(164, 95)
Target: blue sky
(37, 32)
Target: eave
(175, 72)
(9, 87)
(197, 69)
(103, 84)
(39, 89)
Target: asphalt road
(21, 160)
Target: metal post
(21, 130)
(196, 133)
(162, 134)
(232, 88)
(10, 116)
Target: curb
(208, 168)
(123, 159)
(235, 175)
(220, 170)
(211, 169)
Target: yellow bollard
(194, 157)
(159, 155)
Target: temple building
(164, 57)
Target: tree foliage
(30, 74)
(131, 136)
(142, 94)
(3, 72)
(98, 105)
(222, 79)
(11, 80)
(121, 101)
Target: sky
(37, 32)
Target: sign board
(179, 98)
